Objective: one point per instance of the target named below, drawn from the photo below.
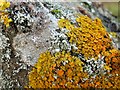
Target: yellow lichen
(3, 13)
(62, 70)
(89, 35)
(113, 34)
(4, 4)
(55, 71)
(112, 82)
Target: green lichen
(56, 12)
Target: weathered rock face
(39, 19)
(35, 28)
(29, 46)
(5, 53)
(36, 38)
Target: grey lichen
(21, 17)
(3, 41)
(95, 67)
(5, 53)
(29, 45)
(37, 24)
(62, 10)
(59, 41)
(29, 16)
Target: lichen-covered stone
(34, 30)
(5, 53)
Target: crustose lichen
(89, 35)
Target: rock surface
(21, 44)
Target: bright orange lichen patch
(62, 70)
(103, 81)
(90, 36)
(113, 60)
(58, 70)
(110, 79)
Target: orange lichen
(112, 58)
(89, 35)
(62, 70)
(57, 70)
(110, 79)
(102, 82)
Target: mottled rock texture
(33, 26)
